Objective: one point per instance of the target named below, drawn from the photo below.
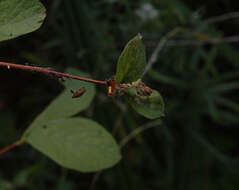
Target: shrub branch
(10, 147)
(49, 71)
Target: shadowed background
(195, 67)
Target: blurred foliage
(195, 147)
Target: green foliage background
(196, 144)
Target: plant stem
(49, 71)
(10, 147)
(160, 46)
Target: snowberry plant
(75, 142)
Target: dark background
(195, 147)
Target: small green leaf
(151, 107)
(132, 61)
(64, 105)
(18, 17)
(75, 143)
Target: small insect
(111, 86)
(78, 93)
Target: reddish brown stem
(49, 71)
(10, 147)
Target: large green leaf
(18, 17)
(75, 143)
(151, 107)
(132, 61)
(64, 105)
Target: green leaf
(64, 106)
(151, 107)
(75, 143)
(132, 61)
(18, 17)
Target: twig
(137, 131)
(229, 39)
(94, 180)
(159, 47)
(10, 147)
(49, 71)
(221, 18)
